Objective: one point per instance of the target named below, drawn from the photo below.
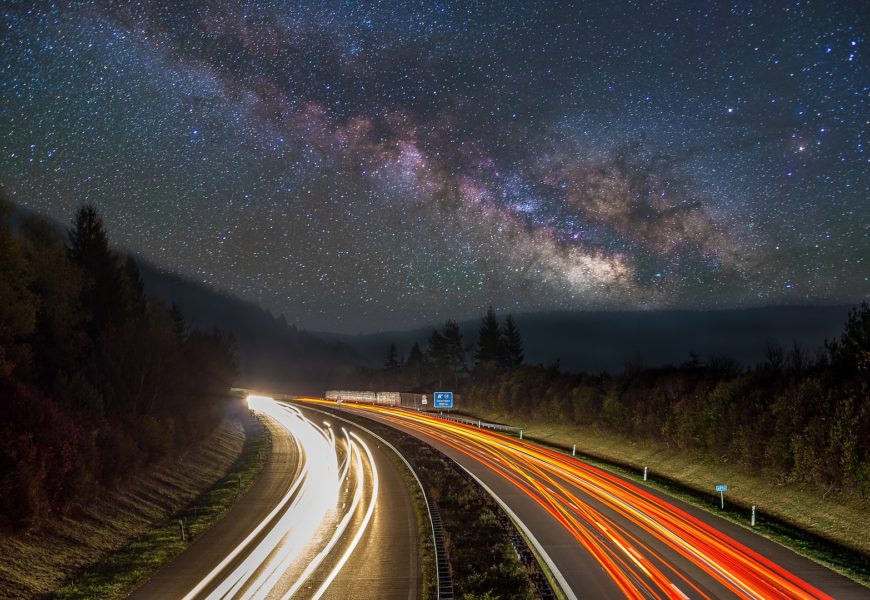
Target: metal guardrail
(443, 580)
(442, 566)
(480, 423)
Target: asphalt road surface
(606, 537)
(329, 517)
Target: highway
(330, 517)
(605, 537)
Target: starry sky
(368, 165)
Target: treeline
(795, 417)
(448, 360)
(792, 418)
(97, 379)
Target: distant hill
(272, 354)
(599, 341)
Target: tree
(392, 358)
(60, 344)
(455, 353)
(17, 302)
(107, 290)
(179, 324)
(851, 353)
(437, 353)
(415, 365)
(512, 344)
(489, 342)
(135, 287)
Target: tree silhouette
(489, 341)
(17, 303)
(415, 365)
(108, 291)
(851, 353)
(392, 358)
(512, 344)
(454, 351)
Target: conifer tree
(512, 344)
(489, 342)
(392, 358)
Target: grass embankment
(119, 572)
(66, 555)
(823, 525)
(469, 515)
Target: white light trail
(283, 538)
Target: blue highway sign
(721, 488)
(443, 400)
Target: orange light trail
(587, 502)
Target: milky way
(358, 166)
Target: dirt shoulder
(38, 562)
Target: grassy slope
(121, 571)
(38, 562)
(838, 518)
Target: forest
(97, 379)
(798, 416)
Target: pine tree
(392, 358)
(512, 344)
(108, 292)
(488, 340)
(455, 353)
(415, 365)
(851, 353)
(437, 353)
(179, 324)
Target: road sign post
(442, 399)
(645, 471)
(752, 521)
(722, 488)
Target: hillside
(271, 353)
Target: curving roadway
(605, 537)
(329, 517)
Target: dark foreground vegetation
(97, 380)
(123, 570)
(797, 417)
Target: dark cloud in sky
(366, 165)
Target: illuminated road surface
(315, 531)
(606, 537)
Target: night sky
(360, 166)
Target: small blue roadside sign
(722, 488)
(442, 400)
